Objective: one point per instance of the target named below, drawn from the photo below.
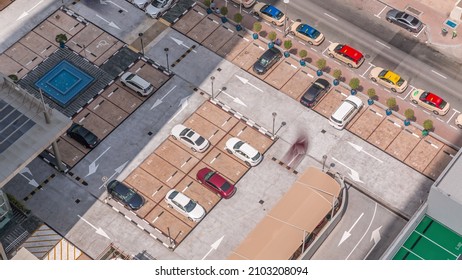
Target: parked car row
(154, 8)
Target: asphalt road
(404, 53)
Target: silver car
(157, 7)
(185, 205)
(404, 20)
(190, 138)
(140, 3)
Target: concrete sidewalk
(434, 13)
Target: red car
(216, 183)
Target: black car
(83, 136)
(314, 93)
(404, 20)
(126, 195)
(266, 60)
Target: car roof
(392, 76)
(271, 52)
(118, 187)
(271, 10)
(306, 29)
(249, 150)
(434, 98)
(181, 199)
(143, 83)
(352, 53)
(217, 179)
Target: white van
(136, 83)
(347, 110)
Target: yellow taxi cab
(269, 13)
(430, 101)
(388, 79)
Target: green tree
(303, 54)
(371, 93)
(287, 44)
(237, 18)
(409, 114)
(224, 11)
(391, 103)
(321, 63)
(207, 3)
(354, 83)
(337, 74)
(257, 26)
(272, 36)
(428, 125)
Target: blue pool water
(451, 23)
(64, 82)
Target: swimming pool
(64, 82)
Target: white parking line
(454, 127)
(438, 74)
(396, 124)
(313, 49)
(309, 75)
(302, 43)
(331, 16)
(409, 92)
(383, 44)
(378, 15)
(366, 70)
(441, 120)
(416, 35)
(279, 30)
(451, 117)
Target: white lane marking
(383, 44)
(313, 49)
(439, 74)
(378, 15)
(369, 227)
(454, 127)
(331, 16)
(409, 92)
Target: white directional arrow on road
(159, 100)
(246, 82)
(183, 104)
(98, 230)
(31, 181)
(118, 170)
(347, 234)
(361, 149)
(180, 43)
(93, 166)
(235, 99)
(375, 236)
(353, 173)
(26, 13)
(111, 23)
(214, 246)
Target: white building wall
(444, 209)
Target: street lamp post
(282, 124)
(286, 2)
(274, 120)
(166, 54)
(141, 40)
(212, 78)
(324, 158)
(240, 7)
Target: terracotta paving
(147, 184)
(298, 84)
(219, 37)
(38, 44)
(189, 20)
(439, 162)
(94, 123)
(247, 57)
(404, 143)
(386, 132)
(23, 56)
(69, 153)
(423, 153)
(120, 97)
(282, 73)
(176, 155)
(162, 170)
(368, 122)
(235, 46)
(205, 128)
(204, 28)
(107, 111)
(49, 31)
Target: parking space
(99, 48)
(84, 38)
(169, 222)
(235, 46)
(368, 122)
(439, 162)
(190, 19)
(282, 72)
(193, 189)
(11, 67)
(149, 73)
(386, 132)
(38, 44)
(298, 84)
(205, 128)
(69, 24)
(217, 116)
(107, 111)
(423, 153)
(251, 136)
(219, 37)
(248, 56)
(404, 143)
(23, 56)
(204, 28)
(331, 101)
(162, 170)
(117, 94)
(174, 152)
(147, 184)
(94, 123)
(69, 153)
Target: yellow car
(245, 3)
(430, 101)
(306, 33)
(269, 13)
(388, 79)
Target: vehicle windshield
(159, 3)
(279, 15)
(89, 137)
(257, 156)
(200, 140)
(226, 186)
(335, 120)
(264, 61)
(209, 175)
(442, 104)
(400, 82)
(183, 133)
(414, 21)
(190, 206)
(238, 145)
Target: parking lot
(174, 166)
(388, 133)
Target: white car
(157, 7)
(243, 151)
(345, 112)
(140, 3)
(458, 121)
(185, 205)
(190, 138)
(136, 83)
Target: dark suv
(266, 60)
(126, 195)
(315, 92)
